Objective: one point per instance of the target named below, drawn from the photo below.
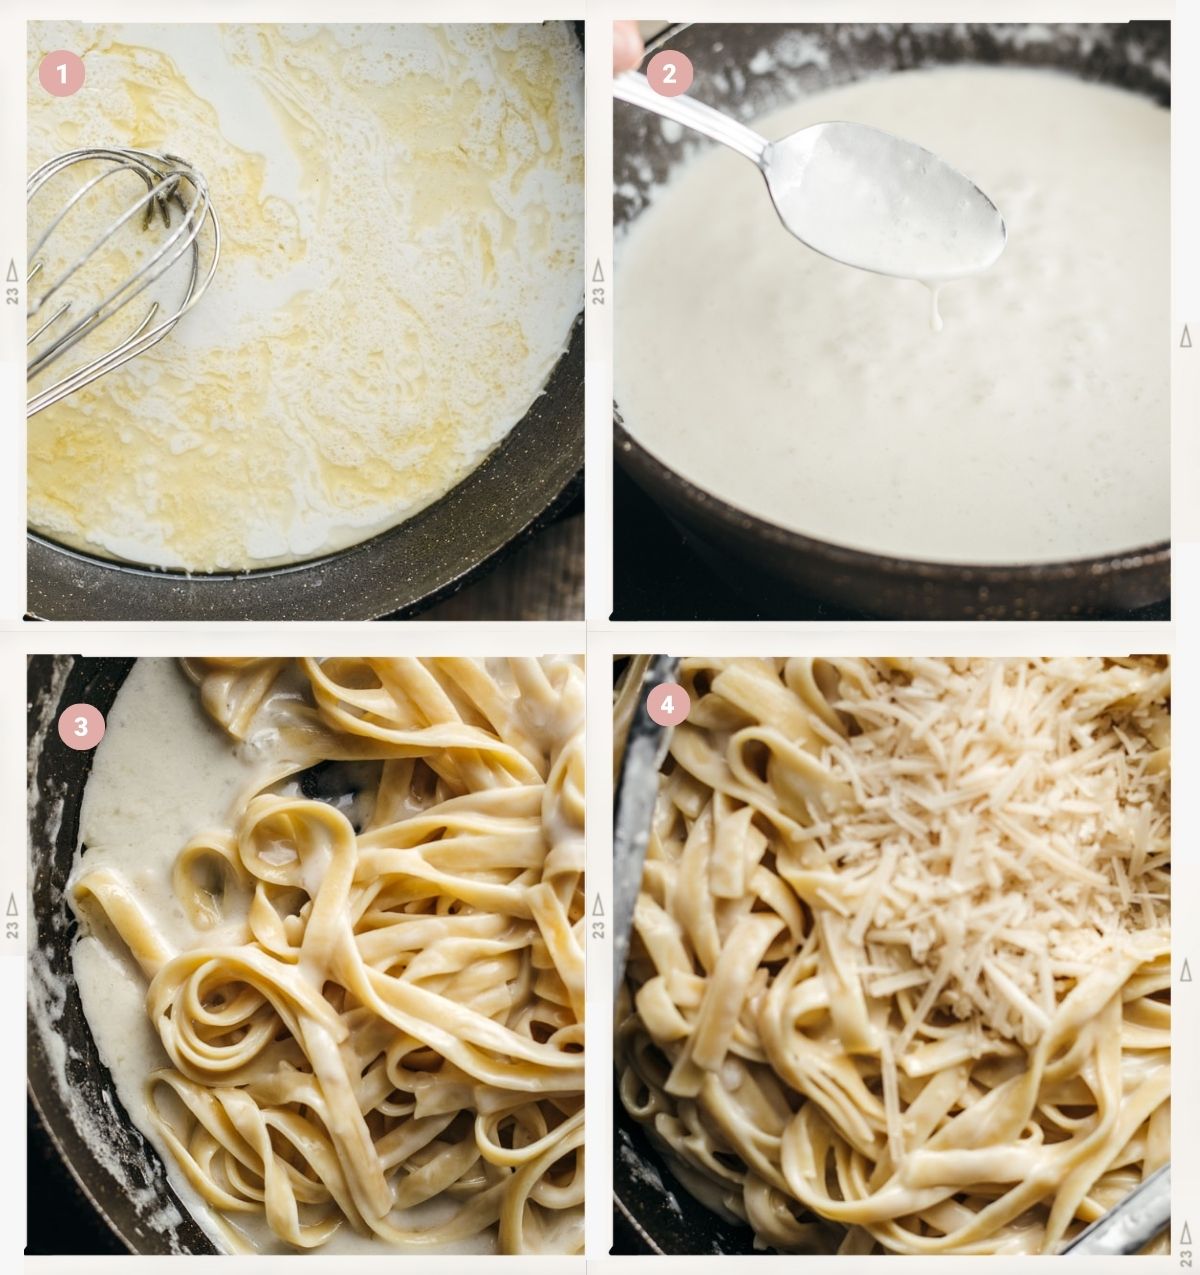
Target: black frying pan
(518, 489)
(769, 560)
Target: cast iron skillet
(72, 1091)
(519, 488)
(760, 555)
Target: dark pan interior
(654, 1213)
(72, 1091)
(768, 559)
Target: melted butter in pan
(402, 218)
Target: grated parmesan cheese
(1010, 827)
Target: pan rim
(363, 581)
(628, 449)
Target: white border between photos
(601, 638)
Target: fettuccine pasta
(383, 1006)
(900, 975)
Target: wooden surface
(543, 580)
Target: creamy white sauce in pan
(163, 772)
(1034, 427)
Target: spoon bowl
(855, 193)
(880, 203)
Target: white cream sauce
(1034, 427)
(163, 773)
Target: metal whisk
(176, 195)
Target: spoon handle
(633, 87)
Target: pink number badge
(670, 73)
(61, 73)
(81, 727)
(668, 704)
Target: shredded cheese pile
(1009, 829)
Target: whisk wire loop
(169, 181)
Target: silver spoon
(854, 193)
